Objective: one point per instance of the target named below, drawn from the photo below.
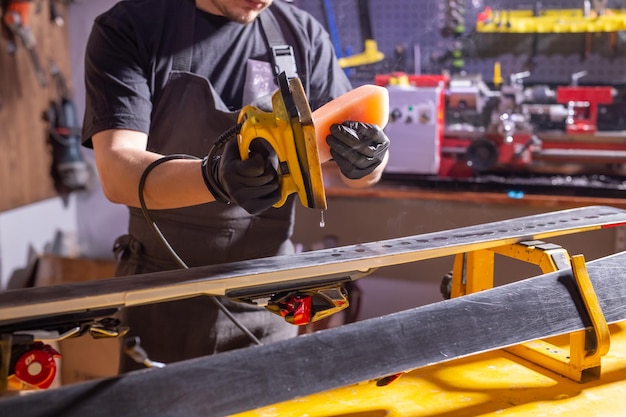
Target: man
(168, 77)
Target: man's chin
(244, 18)
(249, 12)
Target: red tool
(37, 366)
(15, 19)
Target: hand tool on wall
(370, 54)
(69, 170)
(15, 25)
(55, 15)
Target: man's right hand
(253, 184)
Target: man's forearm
(121, 160)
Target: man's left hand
(358, 148)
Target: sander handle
(261, 125)
(289, 130)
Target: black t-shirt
(129, 54)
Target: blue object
(332, 27)
(515, 194)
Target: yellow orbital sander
(290, 132)
(298, 136)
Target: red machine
(513, 129)
(582, 105)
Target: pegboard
(25, 158)
(415, 27)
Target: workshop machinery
(456, 126)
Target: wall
(87, 220)
(422, 38)
(32, 218)
(48, 226)
(25, 95)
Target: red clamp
(37, 367)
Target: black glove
(358, 148)
(252, 184)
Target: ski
(246, 379)
(38, 307)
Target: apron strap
(181, 59)
(283, 59)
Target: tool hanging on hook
(370, 54)
(69, 169)
(15, 19)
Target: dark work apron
(188, 116)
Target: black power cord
(219, 143)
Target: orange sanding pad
(367, 103)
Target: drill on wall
(69, 170)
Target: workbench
(398, 189)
